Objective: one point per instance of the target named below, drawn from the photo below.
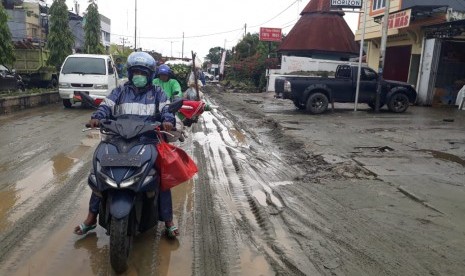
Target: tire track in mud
(48, 214)
(337, 239)
(244, 173)
(319, 170)
(266, 236)
(215, 244)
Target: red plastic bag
(175, 165)
(192, 108)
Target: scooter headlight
(108, 180)
(134, 179)
(128, 182)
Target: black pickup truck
(314, 93)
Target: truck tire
(298, 105)
(21, 88)
(372, 105)
(67, 103)
(398, 103)
(53, 83)
(317, 103)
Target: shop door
(428, 71)
(397, 64)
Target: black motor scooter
(124, 176)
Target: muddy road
(278, 192)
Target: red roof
(317, 6)
(320, 30)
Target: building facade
(28, 21)
(423, 48)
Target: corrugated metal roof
(320, 30)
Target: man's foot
(89, 224)
(82, 229)
(171, 230)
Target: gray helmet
(143, 62)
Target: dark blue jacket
(151, 102)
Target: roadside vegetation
(247, 62)
(31, 91)
(6, 46)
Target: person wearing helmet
(172, 89)
(171, 86)
(137, 97)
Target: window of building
(378, 5)
(34, 32)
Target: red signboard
(270, 34)
(400, 19)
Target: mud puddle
(445, 156)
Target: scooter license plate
(121, 160)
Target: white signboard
(352, 4)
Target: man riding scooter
(136, 97)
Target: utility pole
(362, 41)
(135, 26)
(123, 40)
(382, 53)
(171, 41)
(182, 53)
(245, 29)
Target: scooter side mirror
(86, 99)
(175, 105)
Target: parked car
(9, 80)
(314, 93)
(94, 75)
(208, 76)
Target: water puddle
(445, 156)
(254, 264)
(260, 196)
(239, 136)
(266, 198)
(19, 198)
(62, 163)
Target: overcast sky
(205, 23)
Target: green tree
(249, 61)
(6, 45)
(92, 44)
(60, 40)
(118, 50)
(214, 55)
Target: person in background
(170, 85)
(119, 68)
(172, 89)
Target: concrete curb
(14, 103)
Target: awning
(445, 30)
(418, 12)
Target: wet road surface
(44, 164)
(278, 193)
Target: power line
(275, 15)
(213, 34)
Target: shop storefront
(442, 73)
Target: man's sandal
(172, 232)
(84, 229)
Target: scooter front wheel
(120, 244)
